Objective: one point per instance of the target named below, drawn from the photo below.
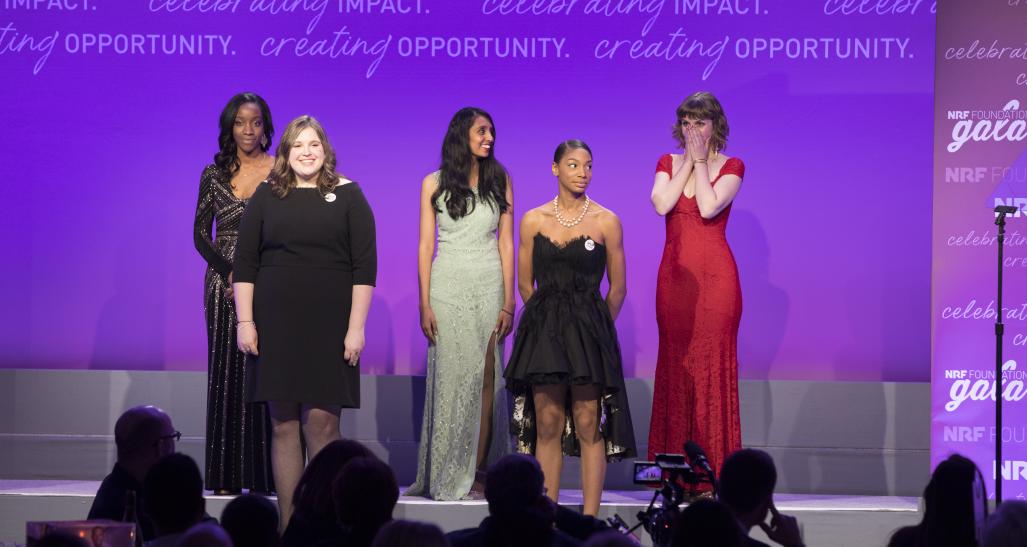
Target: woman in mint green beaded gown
(466, 305)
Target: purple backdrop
(980, 162)
(109, 114)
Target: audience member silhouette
(611, 538)
(173, 498)
(251, 521)
(578, 525)
(143, 435)
(747, 481)
(1007, 526)
(519, 511)
(365, 493)
(707, 523)
(949, 510)
(408, 533)
(206, 534)
(313, 517)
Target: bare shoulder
(608, 222)
(603, 215)
(430, 181)
(533, 218)
(544, 210)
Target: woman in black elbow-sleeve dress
(238, 453)
(305, 267)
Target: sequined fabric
(466, 291)
(566, 336)
(698, 309)
(238, 433)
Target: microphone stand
(1000, 220)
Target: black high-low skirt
(566, 336)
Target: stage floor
(827, 520)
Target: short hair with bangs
(702, 105)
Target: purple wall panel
(103, 150)
(979, 162)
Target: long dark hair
(455, 169)
(227, 157)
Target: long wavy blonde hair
(283, 178)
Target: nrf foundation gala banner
(980, 162)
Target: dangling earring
(263, 142)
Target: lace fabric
(466, 292)
(698, 310)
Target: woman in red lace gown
(698, 298)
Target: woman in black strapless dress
(565, 369)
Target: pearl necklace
(570, 223)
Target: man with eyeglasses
(143, 435)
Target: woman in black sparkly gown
(238, 433)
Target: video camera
(672, 476)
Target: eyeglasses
(176, 435)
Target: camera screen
(648, 473)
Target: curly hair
(227, 157)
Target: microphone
(698, 457)
(1006, 209)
